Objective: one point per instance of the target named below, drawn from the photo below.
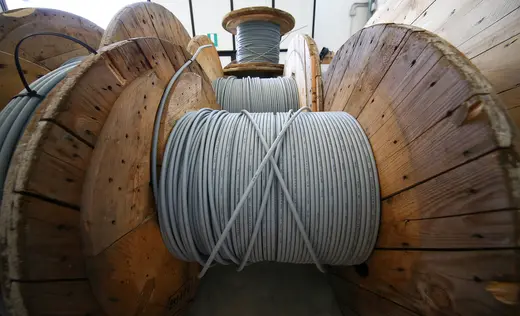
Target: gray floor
(265, 289)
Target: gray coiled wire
(256, 94)
(289, 187)
(19, 111)
(258, 41)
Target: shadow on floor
(261, 289)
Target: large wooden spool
(447, 158)
(80, 176)
(258, 69)
(145, 19)
(47, 51)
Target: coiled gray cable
(19, 111)
(289, 187)
(256, 94)
(258, 41)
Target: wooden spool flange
(303, 64)
(145, 19)
(10, 83)
(80, 176)
(47, 51)
(208, 58)
(447, 158)
(262, 70)
(236, 17)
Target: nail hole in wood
(433, 83)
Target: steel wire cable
(258, 41)
(256, 94)
(19, 111)
(289, 187)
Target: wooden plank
(145, 19)
(120, 167)
(335, 71)
(54, 298)
(514, 113)
(43, 240)
(485, 230)
(411, 65)
(511, 97)
(438, 93)
(208, 58)
(468, 17)
(138, 276)
(400, 11)
(11, 85)
(501, 64)
(440, 149)
(440, 282)
(389, 46)
(338, 94)
(492, 36)
(455, 209)
(59, 156)
(362, 302)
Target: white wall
(208, 16)
(334, 25)
(181, 10)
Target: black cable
(31, 92)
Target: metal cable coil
(258, 41)
(256, 94)
(289, 187)
(19, 111)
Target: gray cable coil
(258, 41)
(256, 94)
(327, 210)
(19, 111)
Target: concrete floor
(265, 289)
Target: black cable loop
(31, 92)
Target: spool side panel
(49, 165)
(47, 51)
(487, 32)
(208, 58)
(262, 70)
(145, 19)
(447, 161)
(130, 268)
(11, 84)
(303, 63)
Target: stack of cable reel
(129, 180)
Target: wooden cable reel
(447, 158)
(41, 54)
(257, 69)
(47, 51)
(95, 108)
(145, 19)
(444, 147)
(303, 64)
